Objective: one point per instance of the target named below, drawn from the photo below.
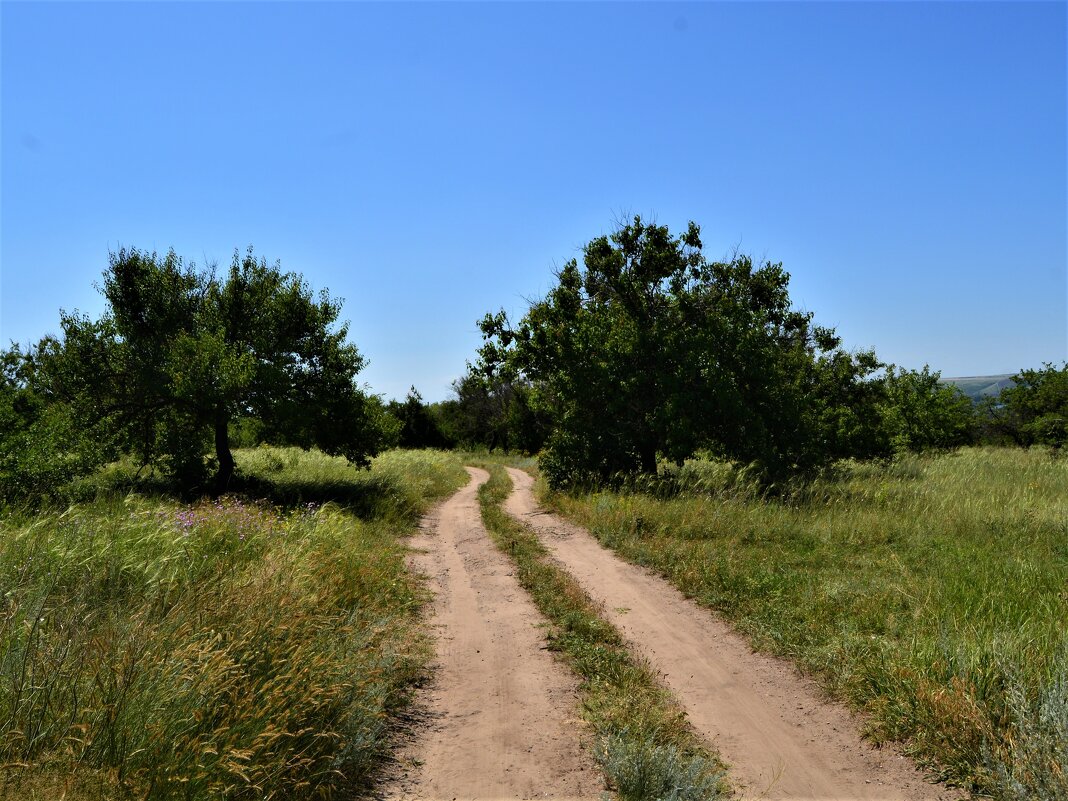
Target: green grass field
(932, 593)
(257, 645)
(235, 648)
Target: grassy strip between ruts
(227, 649)
(929, 592)
(644, 744)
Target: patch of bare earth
(780, 736)
(500, 714)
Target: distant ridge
(977, 387)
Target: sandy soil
(500, 716)
(779, 734)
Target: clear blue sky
(431, 162)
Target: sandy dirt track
(501, 712)
(780, 736)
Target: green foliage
(1034, 410)
(649, 349)
(181, 355)
(396, 490)
(224, 649)
(921, 413)
(927, 591)
(845, 401)
(492, 412)
(419, 428)
(41, 446)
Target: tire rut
(500, 713)
(780, 736)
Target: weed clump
(643, 770)
(1031, 764)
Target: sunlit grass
(921, 591)
(399, 487)
(227, 648)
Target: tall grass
(224, 649)
(931, 592)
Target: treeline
(911, 411)
(645, 352)
(484, 413)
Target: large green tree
(649, 350)
(1034, 410)
(180, 355)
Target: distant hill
(977, 387)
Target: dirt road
(501, 711)
(781, 739)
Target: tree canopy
(180, 355)
(1034, 410)
(649, 350)
(418, 427)
(492, 412)
(921, 413)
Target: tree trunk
(222, 452)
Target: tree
(418, 427)
(41, 446)
(650, 350)
(1034, 410)
(849, 406)
(920, 413)
(180, 355)
(493, 412)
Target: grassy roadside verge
(644, 744)
(249, 647)
(930, 593)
